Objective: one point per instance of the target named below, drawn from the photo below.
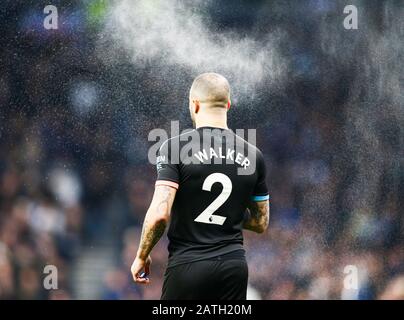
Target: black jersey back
(217, 174)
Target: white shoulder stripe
(177, 136)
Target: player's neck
(218, 121)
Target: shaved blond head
(211, 89)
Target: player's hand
(137, 266)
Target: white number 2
(207, 215)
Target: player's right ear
(196, 105)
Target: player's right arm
(257, 217)
(157, 217)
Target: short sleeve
(261, 190)
(167, 172)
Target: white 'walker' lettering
(230, 154)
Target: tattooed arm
(154, 225)
(257, 216)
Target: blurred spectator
(394, 289)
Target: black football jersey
(217, 174)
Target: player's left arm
(154, 225)
(257, 216)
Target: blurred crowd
(74, 175)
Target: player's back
(217, 173)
